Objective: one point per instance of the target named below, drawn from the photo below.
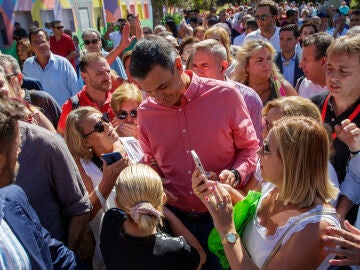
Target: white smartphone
(198, 164)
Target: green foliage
(177, 18)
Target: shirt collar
(192, 90)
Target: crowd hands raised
(267, 95)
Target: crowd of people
(97, 135)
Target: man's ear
(20, 78)
(178, 63)
(84, 76)
(224, 66)
(324, 60)
(2, 163)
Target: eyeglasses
(99, 126)
(265, 149)
(93, 41)
(9, 77)
(124, 114)
(262, 17)
(59, 27)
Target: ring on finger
(221, 204)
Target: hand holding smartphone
(112, 157)
(199, 164)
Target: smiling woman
(89, 135)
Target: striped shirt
(12, 253)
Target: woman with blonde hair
(89, 135)
(219, 33)
(255, 68)
(130, 236)
(289, 106)
(293, 211)
(124, 103)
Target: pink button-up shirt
(213, 120)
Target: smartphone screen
(112, 157)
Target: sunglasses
(124, 114)
(60, 27)
(9, 77)
(93, 41)
(265, 149)
(262, 17)
(99, 126)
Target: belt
(192, 217)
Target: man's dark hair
(35, 31)
(291, 28)
(54, 22)
(355, 12)
(149, 52)
(290, 13)
(321, 42)
(88, 58)
(10, 112)
(268, 3)
(251, 24)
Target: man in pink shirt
(61, 44)
(186, 112)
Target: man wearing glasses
(92, 43)
(61, 44)
(95, 71)
(265, 16)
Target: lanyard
(351, 117)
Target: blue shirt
(58, 78)
(351, 185)
(289, 69)
(117, 65)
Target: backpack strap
(75, 102)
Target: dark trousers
(200, 225)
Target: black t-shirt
(157, 251)
(342, 154)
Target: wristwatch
(230, 238)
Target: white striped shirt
(12, 253)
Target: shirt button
(190, 192)
(184, 130)
(180, 110)
(187, 151)
(189, 172)
(332, 119)
(189, 99)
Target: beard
(8, 176)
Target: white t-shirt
(307, 88)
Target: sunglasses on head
(262, 17)
(93, 41)
(59, 27)
(124, 114)
(99, 126)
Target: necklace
(262, 92)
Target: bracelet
(355, 152)
(237, 177)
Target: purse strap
(278, 244)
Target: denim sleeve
(351, 185)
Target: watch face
(231, 237)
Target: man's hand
(227, 177)
(349, 134)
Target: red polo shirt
(63, 47)
(84, 100)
